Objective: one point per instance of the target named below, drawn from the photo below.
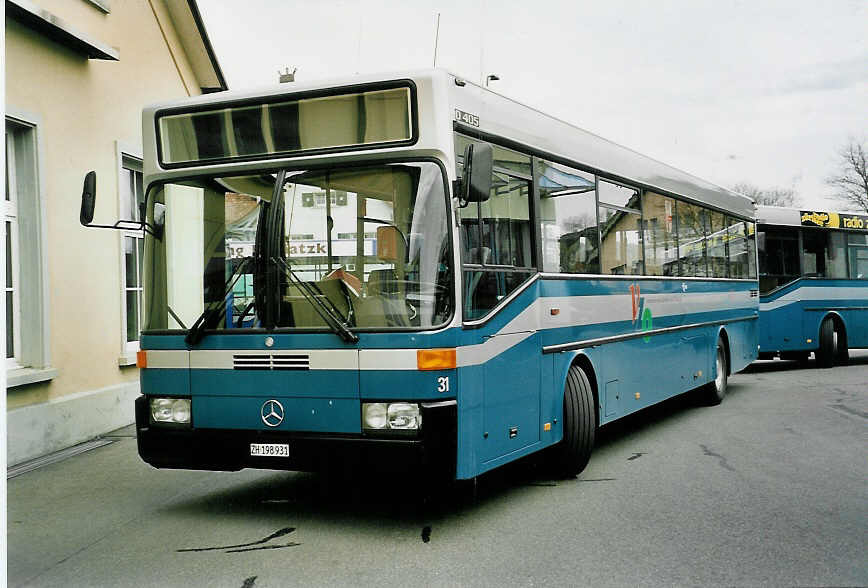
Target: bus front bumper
(434, 450)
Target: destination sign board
(307, 248)
(834, 220)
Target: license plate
(269, 450)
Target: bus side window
(814, 253)
(661, 244)
(718, 263)
(496, 236)
(858, 254)
(620, 239)
(738, 250)
(779, 258)
(836, 256)
(692, 240)
(568, 219)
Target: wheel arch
(837, 322)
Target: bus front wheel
(574, 451)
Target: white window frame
(128, 158)
(32, 353)
(10, 215)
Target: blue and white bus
(412, 270)
(813, 284)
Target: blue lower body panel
(790, 318)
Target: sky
(759, 91)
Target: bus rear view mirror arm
(88, 203)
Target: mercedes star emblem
(272, 413)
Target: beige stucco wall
(84, 108)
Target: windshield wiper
(194, 335)
(332, 316)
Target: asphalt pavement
(767, 489)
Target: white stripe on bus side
(169, 359)
(387, 359)
(333, 359)
(589, 310)
(470, 355)
(712, 301)
(817, 293)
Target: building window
(131, 198)
(10, 219)
(27, 350)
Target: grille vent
(754, 293)
(276, 361)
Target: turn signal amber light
(141, 358)
(435, 359)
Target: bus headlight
(391, 416)
(170, 410)
(404, 415)
(374, 415)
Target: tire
(572, 454)
(715, 390)
(842, 354)
(828, 344)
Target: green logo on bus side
(647, 323)
(640, 311)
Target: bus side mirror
(88, 203)
(88, 198)
(476, 183)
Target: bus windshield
(367, 247)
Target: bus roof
(493, 117)
(779, 215)
(504, 117)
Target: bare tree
(770, 197)
(851, 179)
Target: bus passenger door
(498, 262)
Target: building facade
(78, 73)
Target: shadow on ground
(352, 498)
(780, 365)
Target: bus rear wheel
(715, 390)
(828, 350)
(574, 451)
(842, 353)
